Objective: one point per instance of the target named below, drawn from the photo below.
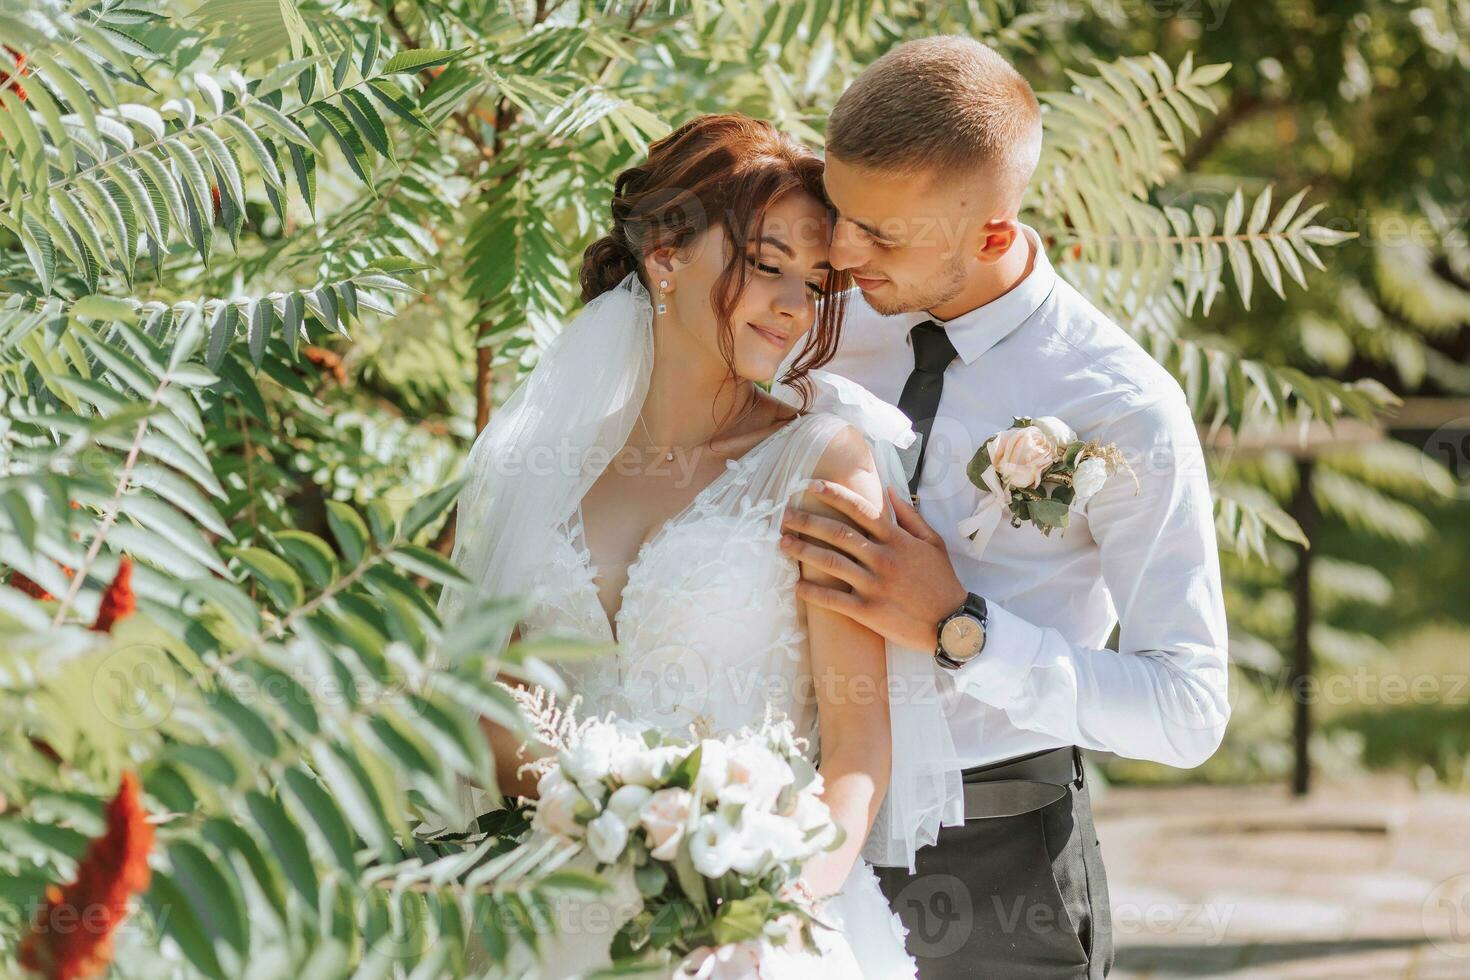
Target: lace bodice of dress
(709, 630)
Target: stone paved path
(1368, 881)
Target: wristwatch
(962, 634)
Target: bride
(632, 489)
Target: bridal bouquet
(714, 831)
(1040, 471)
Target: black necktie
(920, 399)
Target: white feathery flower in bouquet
(714, 830)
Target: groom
(964, 325)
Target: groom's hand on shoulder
(846, 465)
(884, 568)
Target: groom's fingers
(910, 521)
(847, 603)
(825, 560)
(844, 537)
(847, 501)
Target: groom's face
(908, 240)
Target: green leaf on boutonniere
(1020, 510)
(1020, 421)
(1064, 493)
(979, 463)
(1069, 458)
(1049, 514)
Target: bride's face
(787, 270)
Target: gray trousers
(1009, 898)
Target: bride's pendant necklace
(669, 456)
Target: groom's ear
(996, 239)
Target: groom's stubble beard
(942, 289)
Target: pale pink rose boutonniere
(1040, 472)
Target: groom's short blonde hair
(946, 105)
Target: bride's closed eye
(814, 287)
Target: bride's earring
(663, 284)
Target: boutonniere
(1040, 471)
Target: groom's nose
(848, 248)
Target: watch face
(962, 637)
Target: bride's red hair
(725, 169)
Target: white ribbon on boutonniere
(979, 526)
(1039, 472)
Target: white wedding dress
(710, 633)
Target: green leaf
(295, 312)
(317, 804)
(341, 129)
(230, 837)
(288, 843)
(160, 184)
(370, 50)
(348, 529)
(417, 59)
(224, 160)
(173, 909)
(309, 553)
(213, 896)
(742, 919)
(368, 122)
(1050, 513)
(263, 157)
(397, 102)
(279, 578)
(221, 333)
(282, 125)
(428, 508)
(98, 307)
(354, 792)
(430, 564)
(576, 881)
(262, 319)
(303, 164)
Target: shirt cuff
(997, 675)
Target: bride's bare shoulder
(846, 460)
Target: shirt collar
(977, 331)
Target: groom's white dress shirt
(1145, 561)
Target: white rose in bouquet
(714, 768)
(1059, 432)
(813, 817)
(607, 836)
(556, 809)
(767, 839)
(640, 765)
(1088, 479)
(626, 801)
(755, 776)
(664, 818)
